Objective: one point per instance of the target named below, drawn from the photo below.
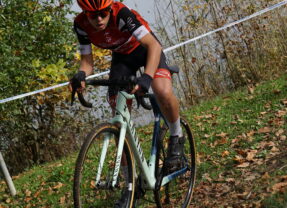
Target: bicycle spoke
(177, 187)
(95, 170)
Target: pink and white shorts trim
(162, 73)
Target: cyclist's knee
(164, 94)
(162, 87)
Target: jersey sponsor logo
(108, 37)
(125, 45)
(140, 32)
(131, 24)
(121, 24)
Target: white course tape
(228, 25)
(165, 50)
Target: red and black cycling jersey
(121, 35)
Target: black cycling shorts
(125, 65)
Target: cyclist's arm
(85, 48)
(86, 60)
(153, 53)
(138, 27)
(86, 64)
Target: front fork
(120, 145)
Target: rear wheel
(89, 193)
(178, 192)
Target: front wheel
(94, 172)
(178, 192)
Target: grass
(232, 127)
(241, 147)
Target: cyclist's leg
(170, 108)
(162, 87)
(119, 69)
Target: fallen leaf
(242, 195)
(222, 134)
(284, 102)
(27, 192)
(279, 132)
(250, 178)
(27, 199)
(251, 154)
(264, 130)
(208, 116)
(279, 186)
(276, 91)
(50, 191)
(281, 113)
(251, 89)
(266, 175)
(59, 185)
(251, 133)
(225, 153)
(234, 141)
(62, 200)
(93, 184)
(207, 177)
(263, 113)
(216, 108)
(241, 152)
(36, 194)
(221, 141)
(243, 165)
(274, 149)
(8, 200)
(230, 180)
(206, 136)
(199, 124)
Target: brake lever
(138, 100)
(83, 101)
(75, 85)
(73, 97)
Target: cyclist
(112, 25)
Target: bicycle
(100, 179)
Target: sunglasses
(102, 13)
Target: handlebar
(127, 83)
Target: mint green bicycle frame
(127, 130)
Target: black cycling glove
(144, 82)
(77, 79)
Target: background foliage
(240, 55)
(37, 50)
